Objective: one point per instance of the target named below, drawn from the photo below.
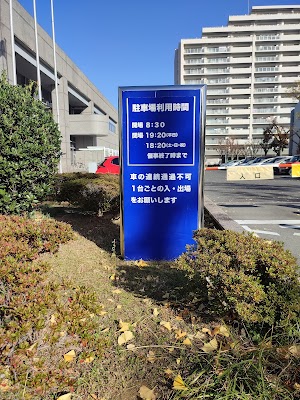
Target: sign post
(162, 163)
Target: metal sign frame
(132, 155)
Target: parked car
(256, 160)
(273, 162)
(286, 166)
(109, 166)
(229, 164)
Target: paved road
(270, 208)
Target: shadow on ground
(103, 231)
(167, 285)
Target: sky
(132, 43)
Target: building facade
(294, 145)
(248, 67)
(87, 121)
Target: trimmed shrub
(29, 148)
(254, 279)
(91, 192)
(41, 320)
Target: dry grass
(130, 292)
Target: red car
(286, 167)
(109, 166)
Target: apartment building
(248, 67)
(87, 121)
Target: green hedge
(253, 279)
(91, 192)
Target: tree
(229, 147)
(294, 91)
(275, 137)
(29, 148)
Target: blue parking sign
(162, 161)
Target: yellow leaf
(168, 372)
(117, 291)
(69, 357)
(166, 325)
(178, 318)
(67, 396)
(105, 330)
(297, 386)
(89, 359)
(155, 312)
(141, 264)
(210, 346)
(62, 333)
(220, 330)
(112, 277)
(178, 383)
(52, 320)
(187, 342)
(178, 361)
(171, 349)
(206, 330)
(102, 312)
(131, 347)
(295, 350)
(93, 396)
(125, 337)
(124, 326)
(180, 334)
(151, 356)
(146, 393)
(119, 306)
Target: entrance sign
(162, 163)
(251, 173)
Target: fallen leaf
(187, 342)
(141, 264)
(146, 393)
(124, 326)
(155, 312)
(166, 325)
(52, 320)
(102, 313)
(67, 396)
(178, 361)
(220, 330)
(69, 357)
(105, 330)
(151, 357)
(178, 318)
(206, 330)
(171, 349)
(297, 386)
(89, 359)
(168, 371)
(210, 346)
(117, 291)
(119, 306)
(178, 383)
(125, 337)
(295, 350)
(112, 277)
(93, 396)
(131, 347)
(180, 334)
